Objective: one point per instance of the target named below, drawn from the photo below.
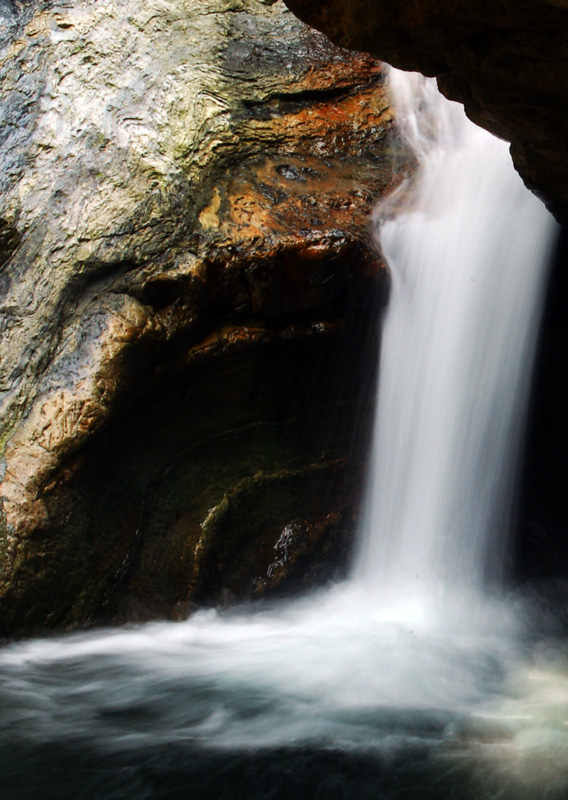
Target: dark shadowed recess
(542, 552)
(231, 473)
(271, 437)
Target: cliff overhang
(505, 60)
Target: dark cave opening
(542, 553)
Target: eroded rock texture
(185, 273)
(506, 60)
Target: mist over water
(414, 678)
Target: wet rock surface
(186, 272)
(506, 61)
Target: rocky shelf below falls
(188, 294)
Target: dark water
(181, 774)
(308, 700)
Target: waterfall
(467, 247)
(371, 688)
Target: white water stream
(468, 255)
(414, 648)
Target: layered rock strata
(187, 290)
(505, 60)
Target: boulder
(189, 293)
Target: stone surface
(506, 60)
(185, 265)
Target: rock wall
(187, 294)
(506, 60)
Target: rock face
(187, 289)
(506, 60)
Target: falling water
(386, 685)
(468, 255)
